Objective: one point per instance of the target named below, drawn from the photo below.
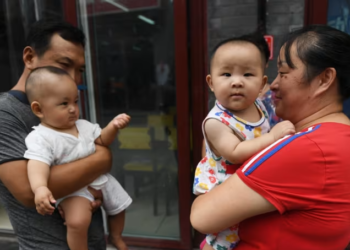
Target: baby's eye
(248, 74)
(64, 103)
(76, 101)
(226, 74)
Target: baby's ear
(263, 83)
(209, 82)
(36, 108)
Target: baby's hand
(43, 198)
(121, 121)
(282, 129)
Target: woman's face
(292, 92)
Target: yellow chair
(139, 157)
(164, 131)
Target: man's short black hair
(255, 38)
(41, 32)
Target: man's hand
(43, 200)
(121, 121)
(97, 194)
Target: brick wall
(227, 18)
(281, 17)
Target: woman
(295, 194)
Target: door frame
(199, 90)
(183, 121)
(315, 12)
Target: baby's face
(237, 75)
(59, 106)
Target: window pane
(132, 50)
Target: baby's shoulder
(87, 129)
(40, 136)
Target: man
(58, 44)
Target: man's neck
(20, 86)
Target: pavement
(8, 243)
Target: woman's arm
(63, 180)
(237, 203)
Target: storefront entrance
(133, 66)
(137, 62)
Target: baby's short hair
(37, 77)
(255, 38)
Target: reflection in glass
(132, 48)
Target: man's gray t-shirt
(34, 231)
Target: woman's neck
(330, 113)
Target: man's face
(65, 55)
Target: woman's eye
(226, 74)
(248, 74)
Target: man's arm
(63, 180)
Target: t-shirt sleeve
(289, 174)
(90, 128)
(38, 148)
(12, 135)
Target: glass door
(137, 64)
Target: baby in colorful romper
(61, 138)
(237, 127)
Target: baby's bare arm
(226, 144)
(38, 174)
(109, 133)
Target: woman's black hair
(320, 47)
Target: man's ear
(37, 109)
(29, 56)
(210, 82)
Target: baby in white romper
(237, 127)
(61, 138)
